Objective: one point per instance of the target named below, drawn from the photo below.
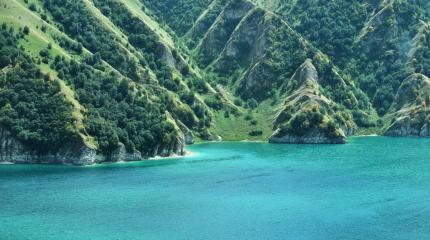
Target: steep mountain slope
(410, 111)
(370, 40)
(308, 116)
(129, 98)
(254, 53)
(131, 79)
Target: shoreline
(368, 135)
(152, 159)
(266, 141)
(156, 158)
(6, 163)
(174, 156)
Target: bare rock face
(247, 49)
(171, 57)
(312, 137)
(425, 130)
(216, 38)
(306, 74)
(250, 39)
(12, 150)
(256, 79)
(403, 127)
(79, 153)
(121, 155)
(167, 56)
(187, 133)
(410, 112)
(174, 148)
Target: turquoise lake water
(372, 188)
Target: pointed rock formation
(307, 115)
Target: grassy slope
(237, 128)
(18, 15)
(135, 6)
(230, 129)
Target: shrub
(256, 133)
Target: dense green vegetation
(179, 15)
(421, 61)
(117, 109)
(144, 125)
(310, 119)
(152, 50)
(78, 22)
(139, 35)
(144, 73)
(374, 51)
(359, 54)
(32, 106)
(337, 22)
(205, 22)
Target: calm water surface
(373, 188)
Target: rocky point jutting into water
(307, 115)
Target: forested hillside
(131, 79)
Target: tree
(252, 103)
(26, 30)
(33, 7)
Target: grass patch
(246, 125)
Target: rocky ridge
(410, 112)
(307, 115)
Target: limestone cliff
(79, 152)
(12, 150)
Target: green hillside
(143, 78)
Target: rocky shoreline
(316, 139)
(79, 153)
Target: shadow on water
(20, 170)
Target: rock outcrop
(121, 155)
(312, 137)
(77, 152)
(80, 153)
(410, 112)
(307, 115)
(187, 133)
(408, 126)
(217, 36)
